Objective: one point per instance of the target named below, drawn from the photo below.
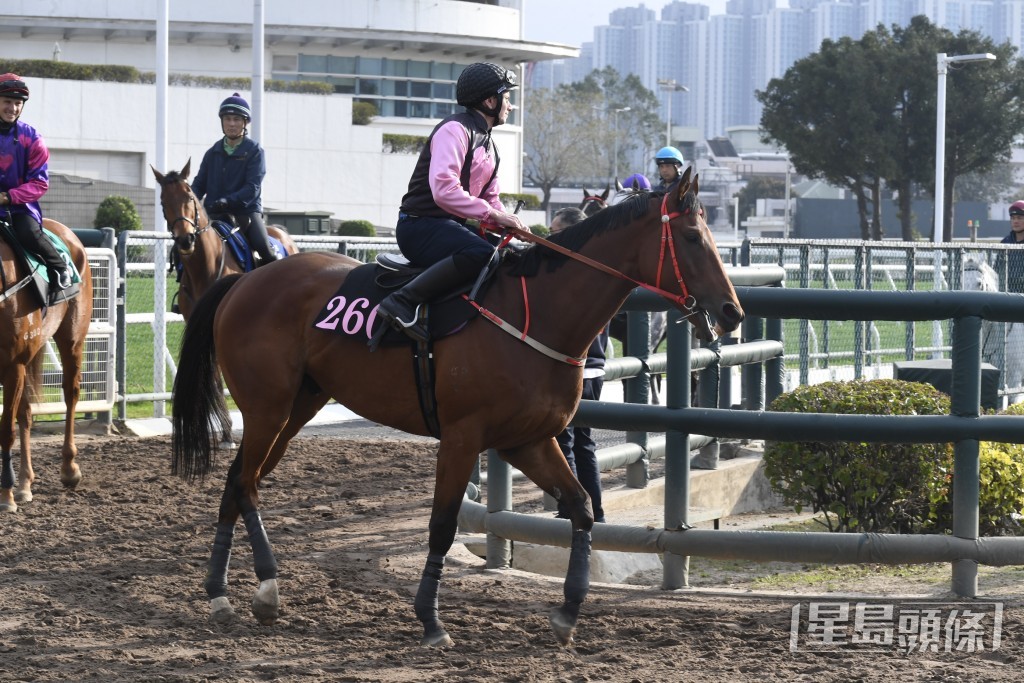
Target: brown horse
(25, 327)
(204, 257)
(492, 389)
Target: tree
(829, 112)
(570, 137)
(860, 114)
(557, 139)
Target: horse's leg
(26, 475)
(71, 380)
(266, 601)
(544, 465)
(216, 583)
(14, 386)
(454, 467)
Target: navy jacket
(237, 178)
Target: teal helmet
(670, 154)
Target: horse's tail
(198, 400)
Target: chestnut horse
(493, 389)
(204, 257)
(25, 327)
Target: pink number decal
(335, 306)
(353, 319)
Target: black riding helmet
(480, 81)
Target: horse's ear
(604, 195)
(684, 183)
(158, 175)
(586, 193)
(185, 170)
(618, 186)
(696, 184)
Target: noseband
(194, 222)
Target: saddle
(37, 279)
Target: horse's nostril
(733, 313)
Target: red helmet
(12, 86)
(1017, 208)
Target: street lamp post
(672, 87)
(942, 64)
(615, 132)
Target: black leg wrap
(217, 573)
(426, 596)
(577, 579)
(7, 472)
(262, 555)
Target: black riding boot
(259, 241)
(30, 235)
(400, 309)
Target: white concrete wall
(316, 159)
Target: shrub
(395, 143)
(358, 228)
(864, 486)
(363, 113)
(118, 213)
(1001, 492)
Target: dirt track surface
(105, 583)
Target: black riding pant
(255, 231)
(30, 235)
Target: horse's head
(182, 211)
(689, 257)
(980, 277)
(592, 203)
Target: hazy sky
(572, 21)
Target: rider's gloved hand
(220, 206)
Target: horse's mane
(574, 237)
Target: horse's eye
(692, 236)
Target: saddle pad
(352, 311)
(40, 283)
(239, 246)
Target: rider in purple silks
(455, 180)
(25, 179)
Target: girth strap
(423, 370)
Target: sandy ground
(105, 583)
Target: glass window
(419, 110)
(387, 107)
(342, 85)
(396, 67)
(419, 69)
(441, 70)
(419, 89)
(369, 86)
(371, 66)
(444, 91)
(312, 64)
(284, 63)
(443, 109)
(341, 65)
(401, 108)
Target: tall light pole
(942, 62)
(615, 160)
(672, 87)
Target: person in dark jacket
(455, 180)
(1014, 258)
(670, 167)
(25, 179)
(577, 444)
(230, 178)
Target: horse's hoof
(72, 480)
(265, 604)
(8, 507)
(221, 611)
(23, 495)
(439, 638)
(563, 628)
